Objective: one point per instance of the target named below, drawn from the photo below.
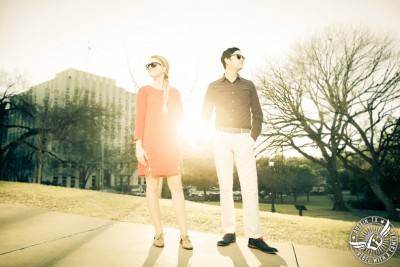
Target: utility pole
(87, 56)
(271, 164)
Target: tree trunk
(40, 165)
(338, 202)
(382, 196)
(3, 167)
(82, 182)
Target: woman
(158, 115)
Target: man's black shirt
(236, 105)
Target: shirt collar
(225, 79)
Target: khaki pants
(238, 147)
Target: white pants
(228, 147)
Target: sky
(116, 38)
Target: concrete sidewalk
(36, 237)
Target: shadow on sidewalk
(184, 256)
(270, 260)
(233, 251)
(153, 255)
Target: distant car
(237, 195)
(138, 193)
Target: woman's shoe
(159, 241)
(185, 242)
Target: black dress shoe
(227, 239)
(259, 243)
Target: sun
(193, 130)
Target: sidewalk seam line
(63, 237)
(295, 256)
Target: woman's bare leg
(152, 198)
(178, 200)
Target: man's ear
(226, 60)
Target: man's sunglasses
(152, 65)
(239, 57)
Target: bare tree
(335, 95)
(371, 107)
(122, 162)
(298, 116)
(13, 110)
(80, 140)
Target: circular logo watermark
(373, 240)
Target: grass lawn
(319, 206)
(319, 226)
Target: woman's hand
(140, 153)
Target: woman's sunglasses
(152, 65)
(239, 57)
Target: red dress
(159, 133)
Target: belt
(233, 130)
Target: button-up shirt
(236, 105)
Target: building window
(73, 181)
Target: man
(238, 123)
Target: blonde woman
(158, 115)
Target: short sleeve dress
(159, 133)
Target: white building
(72, 83)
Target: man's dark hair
(227, 54)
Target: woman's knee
(152, 185)
(175, 184)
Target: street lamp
(271, 165)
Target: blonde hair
(165, 64)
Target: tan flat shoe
(185, 242)
(159, 241)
